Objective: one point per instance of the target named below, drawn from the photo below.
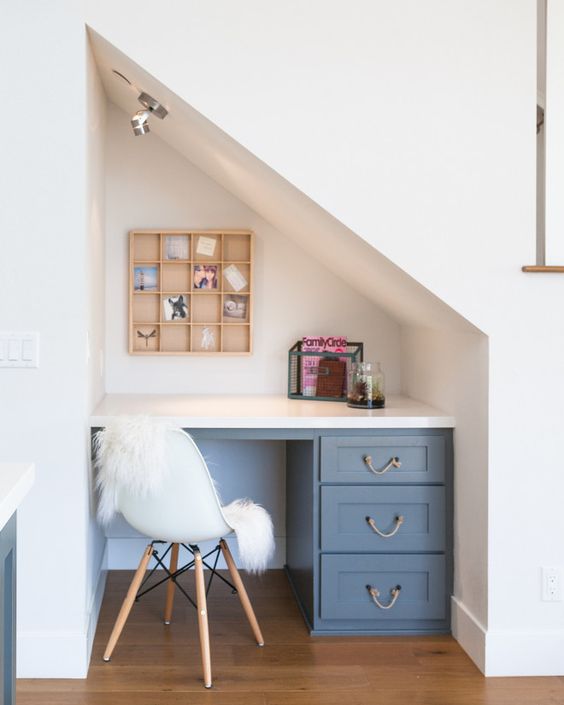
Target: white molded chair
(183, 510)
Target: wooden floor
(155, 664)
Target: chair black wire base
(191, 548)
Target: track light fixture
(140, 121)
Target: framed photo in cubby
(235, 307)
(205, 276)
(191, 292)
(145, 278)
(177, 247)
(175, 308)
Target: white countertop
(268, 412)
(16, 480)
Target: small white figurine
(208, 339)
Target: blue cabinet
(8, 611)
(382, 519)
(377, 554)
(350, 458)
(346, 579)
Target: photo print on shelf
(235, 307)
(145, 278)
(175, 308)
(205, 276)
(176, 247)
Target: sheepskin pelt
(129, 452)
(255, 536)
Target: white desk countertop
(268, 412)
(16, 480)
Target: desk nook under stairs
(368, 501)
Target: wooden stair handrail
(546, 268)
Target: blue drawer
(415, 516)
(344, 459)
(345, 595)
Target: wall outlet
(552, 584)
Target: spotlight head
(152, 105)
(139, 122)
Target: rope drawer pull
(375, 594)
(372, 524)
(394, 463)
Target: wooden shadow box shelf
(190, 292)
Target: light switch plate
(19, 349)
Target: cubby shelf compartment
(190, 292)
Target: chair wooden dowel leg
(203, 618)
(128, 602)
(245, 602)
(170, 588)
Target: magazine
(310, 363)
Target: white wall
(413, 124)
(450, 370)
(149, 185)
(42, 270)
(554, 101)
(95, 293)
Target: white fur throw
(255, 536)
(130, 452)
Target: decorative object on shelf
(235, 306)
(183, 281)
(146, 336)
(331, 378)
(208, 339)
(313, 374)
(366, 386)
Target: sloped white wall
(149, 185)
(414, 124)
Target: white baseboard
(520, 653)
(60, 654)
(469, 633)
(95, 610)
(125, 553)
(55, 654)
(508, 653)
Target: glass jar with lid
(366, 386)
